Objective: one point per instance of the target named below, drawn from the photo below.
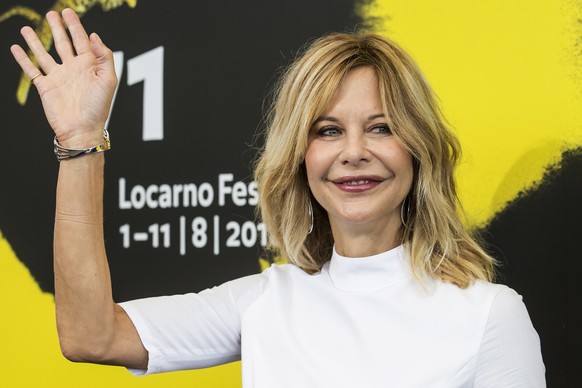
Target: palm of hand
(76, 94)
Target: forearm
(84, 304)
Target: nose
(355, 150)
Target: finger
(104, 57)
(78, 34)
(102, 52)
(43, 58)
(28, 68)
(60, 37)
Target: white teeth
(354, 183)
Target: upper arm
(127, 348)
(116, 344)
(510, 353)
(192, 330)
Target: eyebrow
(335, 120)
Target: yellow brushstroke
(28, 13)
(30, 354)
(508, 74)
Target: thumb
(104, 57)
(101, 52)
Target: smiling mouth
(357, 185)
(358, 182)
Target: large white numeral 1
(149, 68)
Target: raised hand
(76, 94)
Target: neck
(366, 240)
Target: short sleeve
(510, 353)
(193, 331)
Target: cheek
(406, 168)
(314, 161)
(318, 161)
(401, 162)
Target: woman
(385, 287)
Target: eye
(329, 131)
(380, 129)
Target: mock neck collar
(371, 272)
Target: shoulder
(507, 312)
(475, 301)
(484, 290)
(285, 271)
(482, 294)
(252, 286)
(285, 275)
(499, 302)
(505, 302)
(485, 307)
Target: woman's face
(356, 169)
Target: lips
(357, 184)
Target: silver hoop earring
(407, 201)
(310, 211)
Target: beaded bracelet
(63, 153)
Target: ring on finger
(34, 77)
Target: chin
(358, 218)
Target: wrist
(65, 153)
(80, 138)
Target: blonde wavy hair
(434, 235)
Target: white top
(362, 322)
